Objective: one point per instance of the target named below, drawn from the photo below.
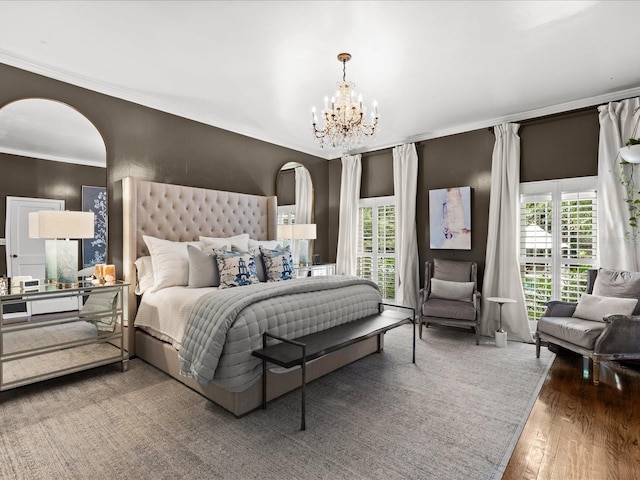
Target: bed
(160, 334)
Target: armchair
(606, 334)
(450, 295)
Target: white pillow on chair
(595, 308)
(446, 290)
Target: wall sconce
(61, 253)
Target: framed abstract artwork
(450, 218)
(94, 250)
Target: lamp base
(501, 339)
(61, 262)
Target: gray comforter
(289, 309)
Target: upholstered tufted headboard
(180, 213)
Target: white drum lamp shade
(58, 228)
(304, 231)
(285, 231)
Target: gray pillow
(595, 308)
(451, 270)
(618, 283)
(460, 291)
(203, 268)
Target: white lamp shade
(285, 232)
(54, 224)
(631, 153)
(304, 231)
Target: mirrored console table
(37, 347)
(315, 270)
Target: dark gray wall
(161, 147)
(35, 178)
(559, 146)
(153, 145)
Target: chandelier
(344, 121)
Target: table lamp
(60, 252)
(304, 232)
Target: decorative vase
(631, 153)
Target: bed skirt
(163, 356)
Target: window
(558, 240)
(286, 216)
(376, 258)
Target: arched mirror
(295, 206)
(50, 130)
(37, 129)
(295, 194)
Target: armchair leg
(537, 345)
(420, 329)
(596, 371)
(477, 329)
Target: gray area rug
(456, 414)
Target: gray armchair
(450, 295)
(615, 337)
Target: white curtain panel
(348, 227)
(617, 248)
(405, 186)
(304, 206)
(502, 268)
(304, 195)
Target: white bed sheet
(164, 314)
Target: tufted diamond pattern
(180, 213)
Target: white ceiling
(257, 68)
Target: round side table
(501, 335)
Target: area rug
(456, 414)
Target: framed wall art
(450, 218)
(94, 250)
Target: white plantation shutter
(558, 240)
(376, 243)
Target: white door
(25, 256)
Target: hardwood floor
(579, 431)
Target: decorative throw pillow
(241, 241)
(145, 279)
(203, 268)
(618, 283)
(236, 269)
(594, 307)
(170, 261)
(278, 264)
(459, 291)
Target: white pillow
(459, 291)
(595, 308)
(170, 261)
(241, 241)
(144, 267)
(270, 244)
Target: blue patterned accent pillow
(236, 268)
(278, 264)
